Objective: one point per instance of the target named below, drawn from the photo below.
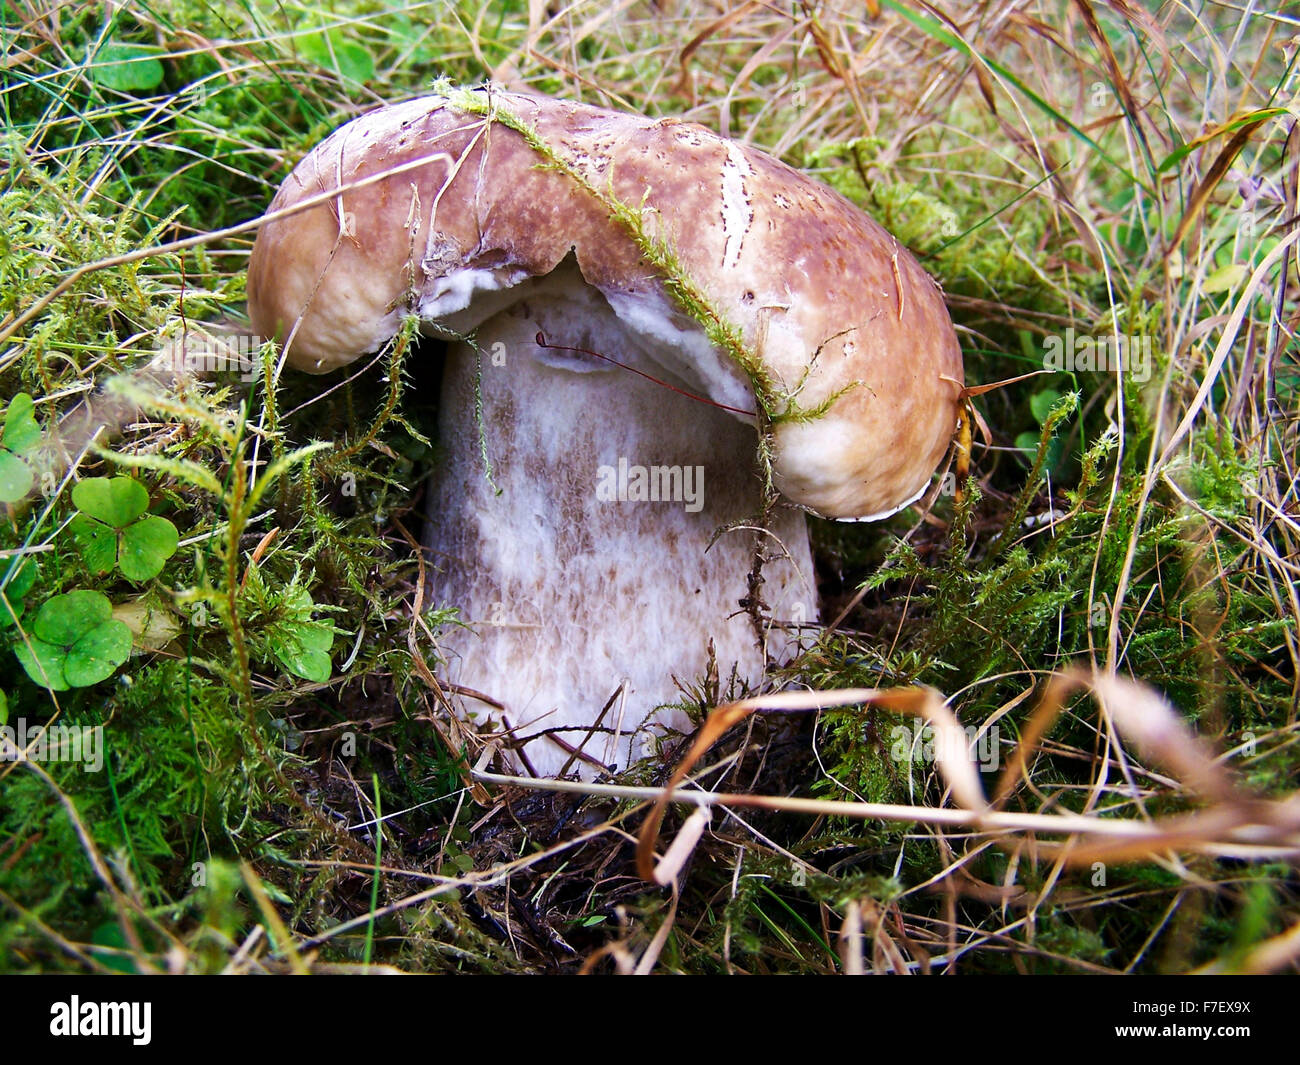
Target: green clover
(1041, 405)
(16, 579)
(112, 528)
(21, 433)
(299, 644)
(115, 952)
(74, 642)
(127, 67)
(330, 50)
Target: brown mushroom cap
(839, 330)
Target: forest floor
(212, 587)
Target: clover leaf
(127, 67)
(74, 642)
(331, 51)
(16, 580)
(299, 644)
(1041, 405)
(112, 528)
(21, 433)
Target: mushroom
(652, 331)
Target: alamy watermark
(53, 743)
(1080, 353)
(132, 1020)
(198, 352)
(925, 744)
(629, 483)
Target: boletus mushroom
(663, 347)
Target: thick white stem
(578, 587)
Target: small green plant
(21, 434)
(125, 67)
(297, 642)
(17, 580)
(1040, 405)
(74, 642)
(330, 50)
(113, 529)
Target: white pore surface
(571, 599)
